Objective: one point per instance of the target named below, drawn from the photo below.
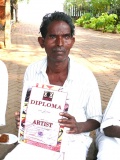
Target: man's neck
(57, 67)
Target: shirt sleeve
(111, 115)
(94, 109)
(3, 92)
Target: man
(108, 140)
(84, 113)
(14, 6)
(3, 92)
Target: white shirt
(111, 115)
(81, 85)
(3, 92)
(84, 103)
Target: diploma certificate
(39, 119)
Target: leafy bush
(83, 19)
(118, 28)
(79, 22)
(105, 22)
(100, 23)
(92, 24)
(110, 28)
(87, 16)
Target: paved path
(98, 51)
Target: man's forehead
(59, 27)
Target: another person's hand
(69, 122)
(17, 119)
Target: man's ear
(41, 41)
(73, 41)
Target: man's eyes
(66, 36)
(52, 36)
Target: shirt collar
(71, 68)
(42, 66)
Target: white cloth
(111, 115)
(84, 103)
(3, 92)
(109, 147)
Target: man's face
(58, 41)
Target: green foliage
(84, 19)
(100, 23)
(110, 28)
(80, 6)
(79, 22)
(96, 7)
(92, 23)
(23, 0)
(118, 28)
(78, 3)
(99, 6)
(104, 23)
(87, 16)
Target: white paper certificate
(41, 121)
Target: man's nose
(59, 41)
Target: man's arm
(87, 126)
(77, 127)
(112, 131)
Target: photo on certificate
(39, 117)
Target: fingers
(17, 116)
(66, 118)
(71, 131)
(69, 122)
(64, 121)
(67, 115)
(17, 113)
(17, 125)
(17, 119)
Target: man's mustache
(59, 49)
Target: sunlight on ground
(36, 9)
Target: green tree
(99, 6)
(96, 7)
(80, 5)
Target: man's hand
(69, 122)
(17, 119)
(77, 127)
